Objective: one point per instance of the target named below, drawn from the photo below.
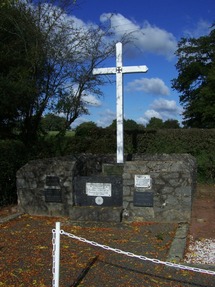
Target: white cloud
(79, 121)
(106, 118)
(148, 115)
(91, 100)
(146, 37)
(162, 109)
(200, 29)
(152, 114)
(153, 86)
(163, 105)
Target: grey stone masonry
(94, 187)
(169, 196)
(46, 186)
(32, 186)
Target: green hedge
(12, 157)
(197, 142)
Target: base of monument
(94, 213)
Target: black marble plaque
(52, 180)
(144, 199)
(101, 197)
(53, 195)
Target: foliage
(51, 122)
(196, 80)
(171, 124)
(48, 65)
(7, 2)
(20, 69)
(128, 125)
(156, 123)
(69, 133)
(12, 157)
(85, 129)
(197, 142)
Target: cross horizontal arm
(134, 69)
(104, 71)
(124, 70)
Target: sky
(157, 26)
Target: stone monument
(102, 188)
(93, 187)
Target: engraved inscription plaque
(53, 195)
(98, 189)
(142, 181)
(144, 199)
(52, 189)
(52, 180)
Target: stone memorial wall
(95, 187)
(159, 187)
(46, 186)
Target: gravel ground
(200, 251)
(26, 249)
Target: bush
(12, 157)
(199, 143)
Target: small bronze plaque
(53, 195)
(52, 180)
(144, 199)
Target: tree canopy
(156, 123)
(21, 65)
(51, 122)
(48, 65)
(85, 129)
(196, 80)
(128, 124)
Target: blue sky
(158, 26)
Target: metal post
(57, 255)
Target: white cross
(119, 70)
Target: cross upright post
(119, 70)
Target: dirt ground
(203, 213)
(202, 223)
(82, 264)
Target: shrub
(12, 157)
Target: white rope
(141, 257)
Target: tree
(56, 63)
(21, 67)
(51, 122)
(171, 124)
(196, 80)
(155, 123)
(128, 125)
(7, 2)
(86, 129)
